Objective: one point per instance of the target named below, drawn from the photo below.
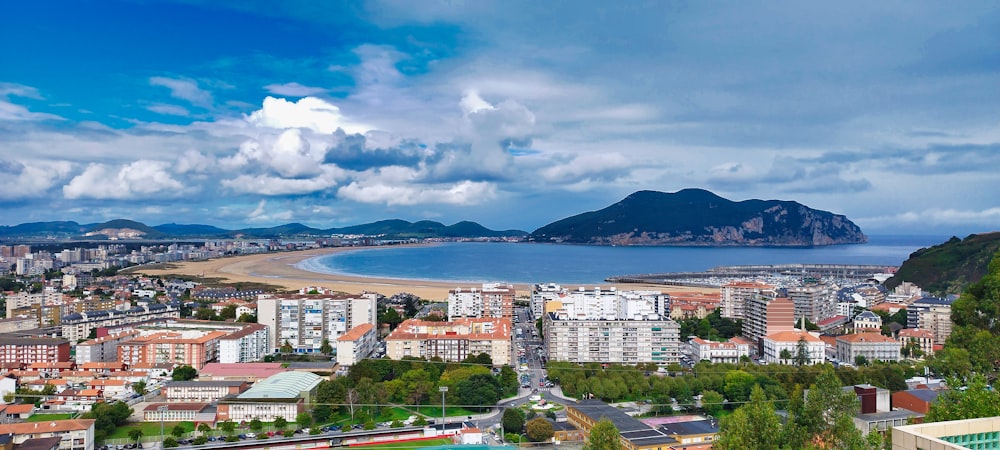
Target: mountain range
(949, 267)
(700, 217)
(395, 229)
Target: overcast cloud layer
(512, 114)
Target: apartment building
(767, 315)
(102, 349)
(304, 321)
(931, 314)
(493, 300)
(193, 348)
(542, 293)
(357, 344)
(736, 295)
(78, 326)
(248, 344)
(32, 350)
(24, 299)
(873, 346)
(15, 324)
(922, 340)
(74, 434)
(453, 340)
(789, 342)
(612, 326)
(814, 301)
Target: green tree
(205, 314)
(139, 387)
(603, 436)
(204, 428)
(169, 442)
(539, 429)
(512, 420)
(280, 423)
(738, 385)
(754, 425)
(177, 431)
(829, 411)
(228, 312)
(287, 347)
(390, 317)
(802, 352)
(135, 434)
(860, 361)
(247, 318)
(785, 355)
(184, 373)
(304, 420)
(256, 425)
(712, 402)
(227, 427)
(325, 348)
(950, 361)
(978, 399)
(976, 327)
(200, 440)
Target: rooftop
(285, 385)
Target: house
(917, 400)
(917, 339)
(871, 346)
(787, 343)
(867, 321)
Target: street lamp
(443, 389)
(162, 409)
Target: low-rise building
(719, 352)
(633, 434)
(202, 391)
(872, 346)
(31, 350)
(867, 321)
(180, 412)
(75, 434)
(357, 344)
(919, 342)
(788, 343)
(948, 435)
(283, 395)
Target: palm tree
(135, 434)
(204, 428)
(785, 355)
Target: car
(251, 435)
(513, 405)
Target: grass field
(149, 429)
(47, 417)
(407, 445)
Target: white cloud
(169, 110)
(260, 214)
(294, 90)
(17, 113)
(273, 185)
(30, 179)
(19, 90)
(988, 217)
(585, 167)
(184, 89)
(140, 179)
(194, 161)
(461, 193)
(309, 112)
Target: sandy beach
(279, 269)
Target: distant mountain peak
(700, 217)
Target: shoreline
(280, 269)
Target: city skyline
(510, 114)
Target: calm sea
(579, 264)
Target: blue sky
(512, 114)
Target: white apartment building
(774, 343)
(249, 344)
(357, 344)
(305, 320)
(735, 295)
(23, 299)
(102, 349)
(542, 293)
(495, 300)
(612, 326)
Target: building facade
(766, 315)
(492, 300)
(814, 301)
(735, 295)
(719, 352)
(931, 314)
(78, 326)
(453, 340)
(789, 342)
(31, 350)
(248, 344)
(305, 321)
(357, 344)
(872, 346)
(918, 339)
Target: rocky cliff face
(697, 217)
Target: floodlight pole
(443, 389)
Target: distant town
(319, 368)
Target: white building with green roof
(282, 395)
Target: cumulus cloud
(309, 112)
(988, 217)
(294, 90)
(184, 89)
(30, 179)
(261, 214)
(140, 179)
(194, 161)
(273, 185)
(289, 154)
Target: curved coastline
(281, 269)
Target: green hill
(949, 267)
(699, 217)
